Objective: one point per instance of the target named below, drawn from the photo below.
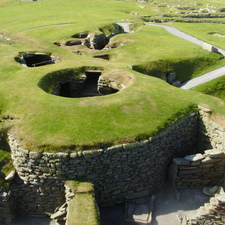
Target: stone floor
(32, 220)
(167, 210)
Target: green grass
(185, 69)
(82, 207)
(215, 88)
(5, 165)
(201, 32)
(46, 122)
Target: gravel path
(51, 25)
(125, 26)
(201, 79)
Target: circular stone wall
(85, 82)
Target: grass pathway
(201, 79)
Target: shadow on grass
(185, 69)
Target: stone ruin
(85, 86)
(171, 79)
(93, 40)
(35, 59)
(91, 83)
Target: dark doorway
(64, 90)
(91, 85)
(86, 86)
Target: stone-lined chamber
(118, 173)
(85, 82)
(35, 59)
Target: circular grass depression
(85, 82)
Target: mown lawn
(215, 88)
(45, 122)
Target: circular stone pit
(85, 82)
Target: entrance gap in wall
(86, 87)
(91, 85)
(64, 90)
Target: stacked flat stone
(40, 199)
(200, 169)
(211, 134)
(211, 213)
(120, 172)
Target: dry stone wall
(40, 199)
(210, 134)
(200, 170)
(119, 172)
(211, 213)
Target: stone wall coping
(209, 154)
(204, 109)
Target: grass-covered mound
(203, 32)
(215, 88)
(185, 69)
(46, 122)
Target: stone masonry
(40, 199)
(211, 213)
(210, 134)
(200, 170)
(6, 213)
(119, 172)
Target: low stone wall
(212, 212)
(210, 134)
(119, 172)
(199, 169)
(40, 199)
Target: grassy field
(46, 122)
(202, 32)
(215, 88)
(5, 164)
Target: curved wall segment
(118, 172)
(85, 82)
